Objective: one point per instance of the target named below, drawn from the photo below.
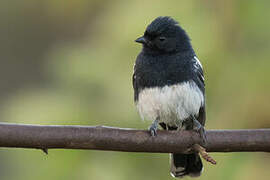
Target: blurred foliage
(71, 62)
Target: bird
(169, 88)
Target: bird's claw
(153, 128)
(202, 133)
(200, 129)
(153, 131)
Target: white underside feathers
(172, 104)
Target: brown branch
(116, 139)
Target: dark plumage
(169, 88)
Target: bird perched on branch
(169, 87)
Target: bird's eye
(162, 39)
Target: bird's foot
(153, 128)
(203, 135)
(200, 129)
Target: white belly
(171, 104)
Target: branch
(116, 139)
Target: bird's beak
(141, 40)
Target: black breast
(159, 71)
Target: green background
(71, 62)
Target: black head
(164, 35)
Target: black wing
(135, 84)
(199, 79)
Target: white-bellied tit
(169, 87)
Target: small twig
(204, 154)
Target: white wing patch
(198, 63)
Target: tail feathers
(186, 164)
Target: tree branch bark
(129, 140)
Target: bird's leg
(198, 127)
(154, 126)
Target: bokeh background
(71, 62)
